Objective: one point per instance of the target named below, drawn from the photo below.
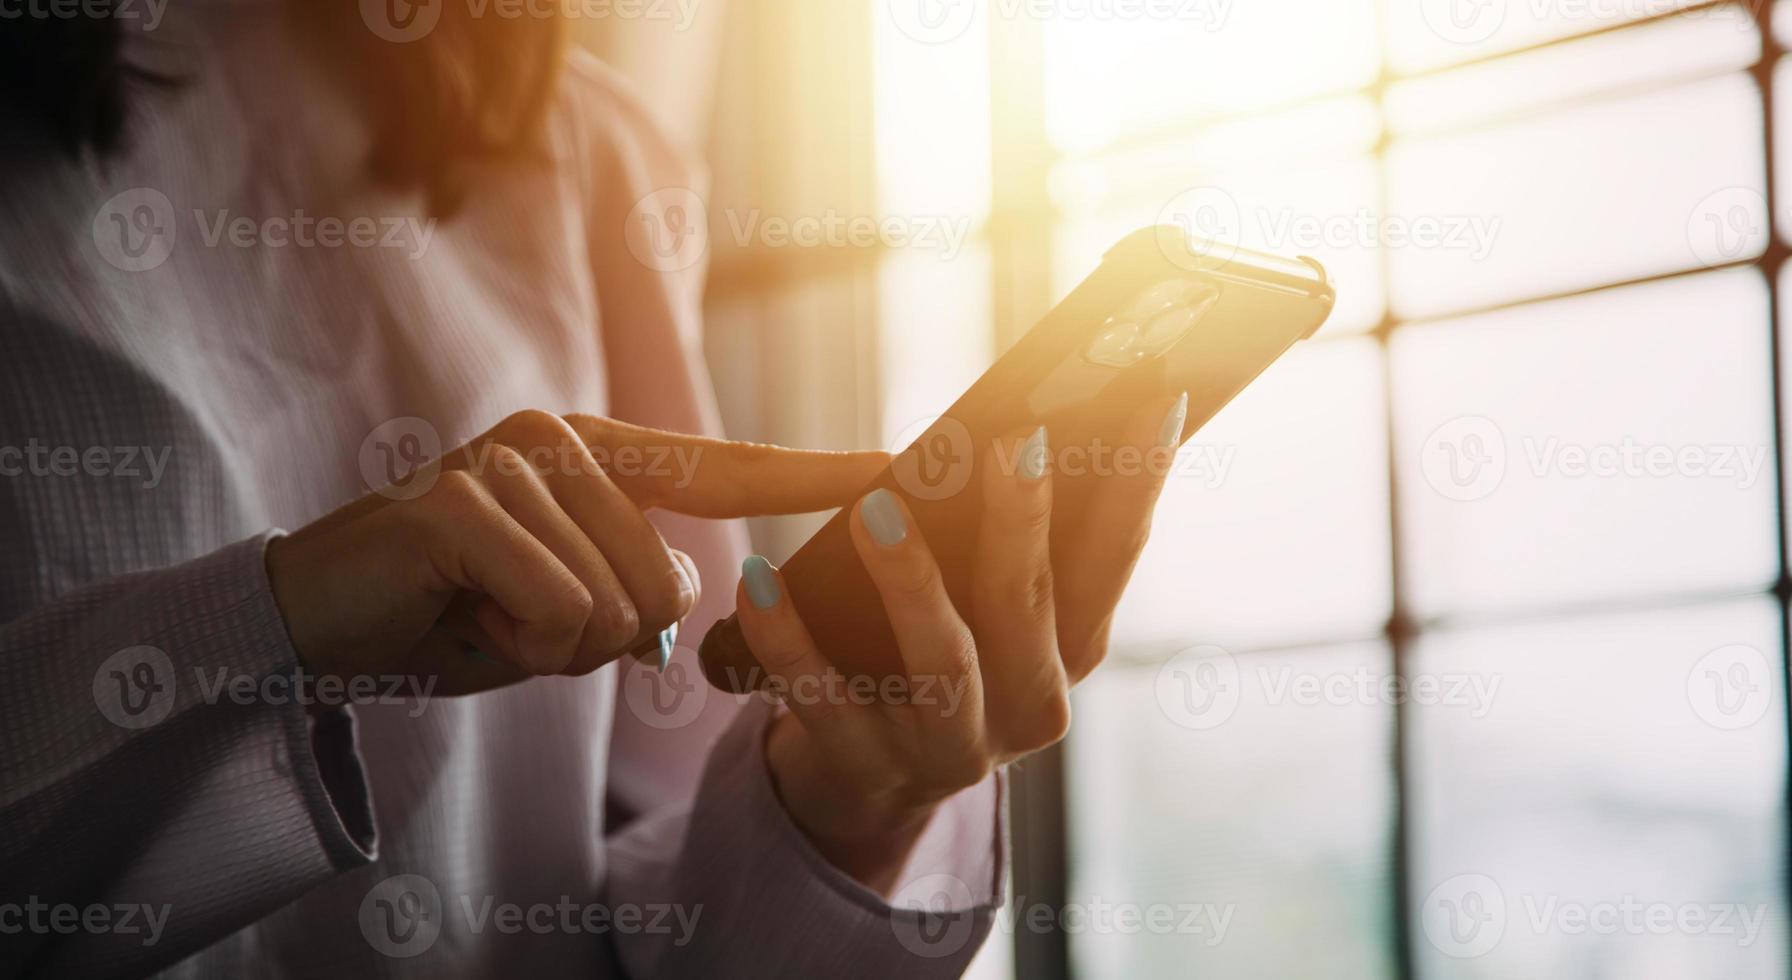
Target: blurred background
(1459, 650)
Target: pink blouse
(176, 383)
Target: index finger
(719, 478)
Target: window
(1530, 473)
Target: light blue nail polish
(1033, 455)
(478, 654)
(668, 639)
(883, 518)
(1170, 435)
(762, 583)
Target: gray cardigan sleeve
(146, 811)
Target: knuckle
(752, 454)
(777, 658)
(966, 769)
(1135, 540)
(458, 491)
(616, 623)
(586, 426)
(508, 461)
(915, 578)
(533, 427)
(1029, 594)
(574, 606)
(664, 603)
(1034, 593)
(1030, 516)
(1048, 723)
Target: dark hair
(473, 89)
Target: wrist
(867, 835)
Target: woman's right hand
(519, 555)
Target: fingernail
(883, 518)
(1033, 455)
(1170, 436)
(477, 654)
(668, 638)
(762, 583)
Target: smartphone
(1162, 314)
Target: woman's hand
(520, 555)
(985, 685)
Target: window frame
(1020, 237)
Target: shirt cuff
(321, 748)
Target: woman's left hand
(862, 769)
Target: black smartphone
(1163, 314)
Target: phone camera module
(1116, 345)
(1168, 310)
